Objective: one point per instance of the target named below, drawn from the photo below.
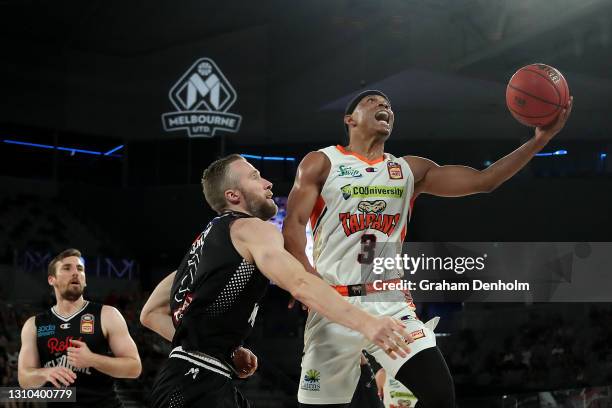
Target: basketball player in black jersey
(70, 345)
(208, 306)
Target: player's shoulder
(29, 327)
(314, 166)
(110, 312)
(253, 229)
(418, 161)
(30, 322)
(315, 158)
(253, 224)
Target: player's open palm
(60, 376)
(390, 335)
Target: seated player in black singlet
(207, 307)
(77, 343)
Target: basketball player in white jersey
(355, 196)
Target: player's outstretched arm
(125, 362)
(29, 372)
(155, 314)
(457, 181)
(262, 242)
(309, 179)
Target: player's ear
(50, 279)
(232, 196)
(349, 121)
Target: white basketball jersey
(360, 197)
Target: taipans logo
(350, 190)
(43, 331)
(373, 207)
(311, 381)
(202, 97)
(352, 223)
(348, 172)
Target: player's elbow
(21, 380)
(145, 318)
(487, 184)
(135, 369)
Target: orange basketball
(536, 94)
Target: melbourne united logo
(202, 97)
(311, 381)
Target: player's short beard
(72, 294)
(259, 207)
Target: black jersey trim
(67, 319)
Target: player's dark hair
(60, 257)
(216, 179)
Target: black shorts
(183, 384)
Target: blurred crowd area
(558, 346)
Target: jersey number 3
(368, 243)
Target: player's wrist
(365, 322)
(94, 361)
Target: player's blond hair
(216, 179)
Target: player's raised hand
(245, 362)
(389, 334)
(60, 376)
(79, 355)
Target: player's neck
(65, 307)
(236, 208)
(370, 148)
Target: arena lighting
(111, 151)
(603, 155)
(72, 150)
(555, 153)
(270, 158)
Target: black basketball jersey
(215, 293)
(54, 334)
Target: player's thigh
(330, 365)
(183, 384)
(424, 338)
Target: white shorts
(330, 365)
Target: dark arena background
(102, 148)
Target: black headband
(355, 101)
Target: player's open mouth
(382, 116)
